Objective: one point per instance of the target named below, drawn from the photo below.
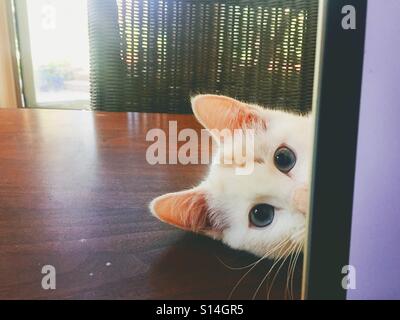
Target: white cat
(263, 212)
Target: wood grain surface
(74, 191)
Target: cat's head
(262, 212)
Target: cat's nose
(300, 199)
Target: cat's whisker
(287, 293)
(249, 265)
(290, 252)
(238, 268)
(294, 265)
(255, 262)
(274, 264)
(279, 257)
(246, 266)
(288, 273)
(280, 246)
(296, 234)
(296, 258)
(291, 269)
(273, 249)
(253, 266)
(228, 266)
(281, 264)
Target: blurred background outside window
(54, 48)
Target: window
(54, 49)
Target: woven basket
(152, 55)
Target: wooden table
(74, 190)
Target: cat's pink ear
(220, 112)
(187, 210)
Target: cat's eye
(261, 215)
(284, 159)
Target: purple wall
(375, 237)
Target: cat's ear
(220, 112)
(187, 210)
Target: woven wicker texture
(151, 55)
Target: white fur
(230, 196)
(233, 195)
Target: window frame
(10, 86)
(337, 91)
(26, 65)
